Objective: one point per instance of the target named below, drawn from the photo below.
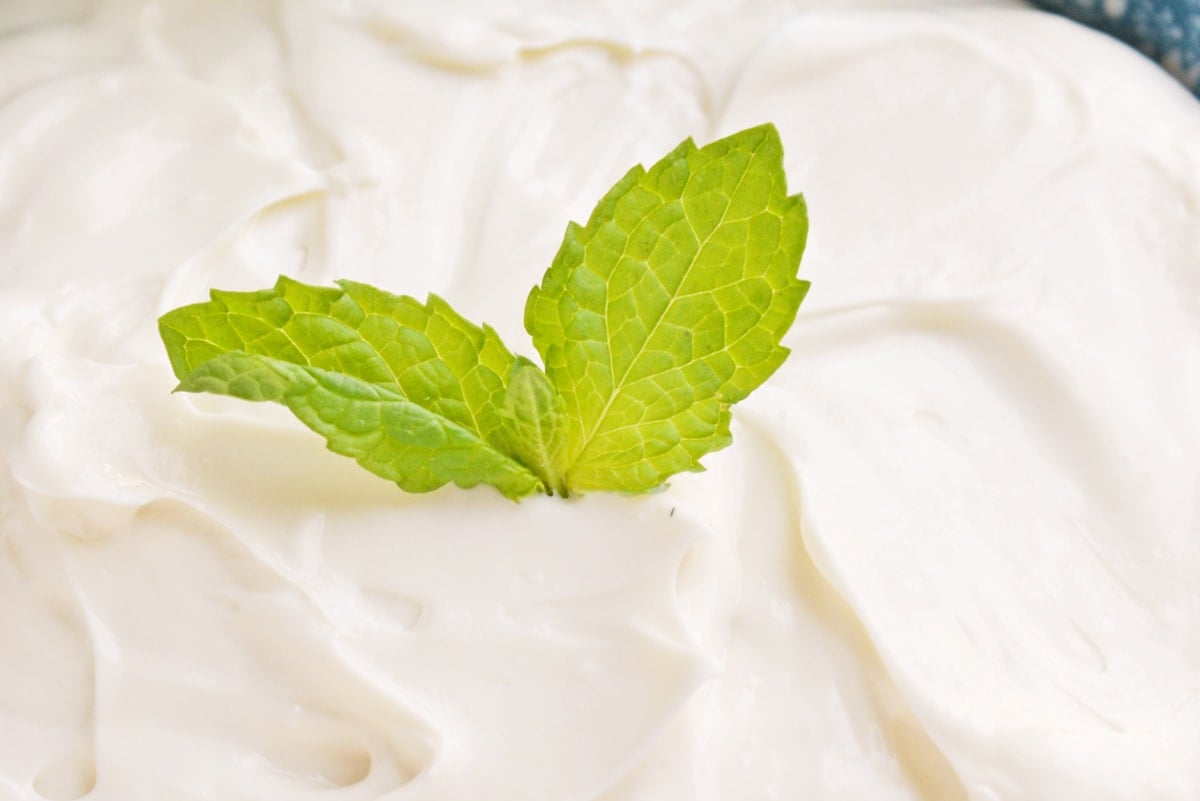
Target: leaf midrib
(619, 384)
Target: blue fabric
(1166, 30)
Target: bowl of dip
(952, 552)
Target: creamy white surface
(952, 554)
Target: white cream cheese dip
(952, 554)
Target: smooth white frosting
(952, 554)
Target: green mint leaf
(535, 423)
(412, 391)
(664, 310)
(667, 307)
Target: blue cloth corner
(1166, 30)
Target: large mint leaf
(411, 390)
(668, 306)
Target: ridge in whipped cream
(953, 556)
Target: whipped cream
(952, 554)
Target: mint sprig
(655, 317)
